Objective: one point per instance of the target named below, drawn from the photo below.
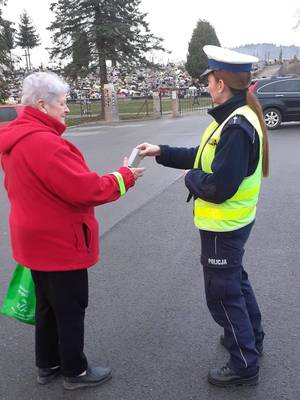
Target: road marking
(127, 126)
(82, 134)
(181, 134)
(94, 130)
(83, 128)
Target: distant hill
(269, 51)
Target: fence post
(156, 104)
(110, 103)
(175, 104)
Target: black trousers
(61, 300)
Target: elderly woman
(53, 229)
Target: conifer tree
(115, 29)
(26, 37)
(4, 59)
(3, 46)
(8, 37)
(202, 35)
(81, 56)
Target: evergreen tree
(3, 46)
(26, 37)
(4, 59)
(81, 56)
(203, 34)
(81, 50)
(115, 29)
(8, 36)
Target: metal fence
(140, 107)
(135, 107)
(193, 100)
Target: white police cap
(228, 60)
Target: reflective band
(120, 182)
(222, 213)
(234, 335)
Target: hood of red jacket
(31, 121)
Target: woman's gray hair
(45, 86)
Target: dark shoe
(225, 377)
(259, 345)
(46, 375)
(94, 376)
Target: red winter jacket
(52, 194)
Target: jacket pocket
(87, 235)
(83, 236)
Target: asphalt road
(147, 318)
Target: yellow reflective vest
(240, 209)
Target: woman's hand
(148, 150)
(137, 172)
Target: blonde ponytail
(254, 104)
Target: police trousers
(61, 300)
(230, 297)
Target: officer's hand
(137, 172)
(148, 150)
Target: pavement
(147, 318)
(268, 70)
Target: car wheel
(272, 118)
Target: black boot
(225, 376)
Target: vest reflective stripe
(222, 214)
(240, 209)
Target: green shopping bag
(19, 302)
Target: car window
(284, 86)
(267, 88)
(7, 114)
(289, 86)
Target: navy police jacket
(236, 156)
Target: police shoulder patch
(241, 122)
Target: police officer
(224, 180)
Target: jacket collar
(222, 111)
(45, 119)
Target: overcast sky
(236, 22)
